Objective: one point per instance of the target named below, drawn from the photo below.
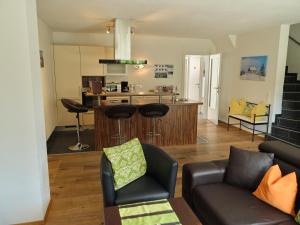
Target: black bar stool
(153, 111)
(119, 112)
(75, 107)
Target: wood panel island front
(177, 127)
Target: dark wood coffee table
(183, 211)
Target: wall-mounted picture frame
(254, 68)
(163, 70)
(42, 63)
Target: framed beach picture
(253, 68)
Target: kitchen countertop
(139, 102)
(125, 94)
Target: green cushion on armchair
(128, 162)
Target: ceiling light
(140, 66)
(108, 29)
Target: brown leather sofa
(218, 203)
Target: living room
(203, 87)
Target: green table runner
(158, 212)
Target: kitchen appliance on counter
(164, 88)
(113, 87)
(124, 86)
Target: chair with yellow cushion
(248, 113)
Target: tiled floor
(59, 141)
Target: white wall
(24, 182)
(47, 77)
(280, 70)
(165, 50)
(156, 49)
(83, 38)
(271, 42)
(293, 57)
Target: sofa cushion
(288, 159)
(277, 190)
(246, 169)
(237, 107)
(142, 189)
(259, 110)
(224, 204)
(128, 162)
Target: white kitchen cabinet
(88, 118)
(67, 71)
(65, 118)
(90, 56)
(109, 53)
(71, 63)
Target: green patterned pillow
(128, 162)
(297, 218)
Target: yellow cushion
(242, 102)
(237, 107)
(258, 110)
(247, 110)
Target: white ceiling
(181, 18)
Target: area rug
(202, 140)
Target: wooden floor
(75, 185)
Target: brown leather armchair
(158, 182)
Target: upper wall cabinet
(90, 56)
(109, 53)
(67, 71)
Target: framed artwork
(42, 63)
(163, 70)
(253, 68)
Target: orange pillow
(280, 192)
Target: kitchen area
(95, 77)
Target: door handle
(218, 89)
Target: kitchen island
(177, 127)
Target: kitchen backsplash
(87, 79)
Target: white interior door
(214, 88)
(194, 81)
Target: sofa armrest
(107, 181)
(195, 174)
(161, 167)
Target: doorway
(202, 84)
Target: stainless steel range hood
(122, 45)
